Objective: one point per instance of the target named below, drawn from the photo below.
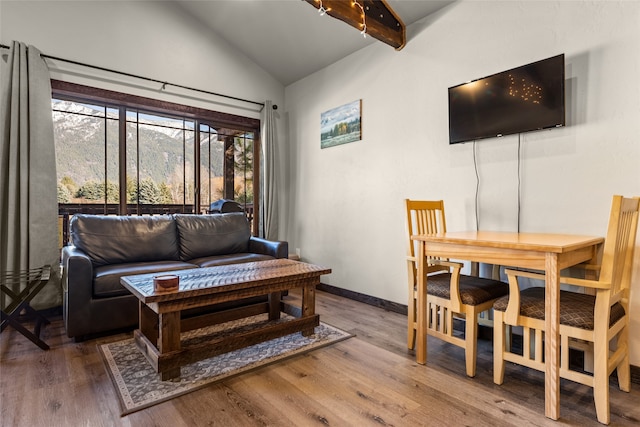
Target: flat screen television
(523, 99)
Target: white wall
(345, 203)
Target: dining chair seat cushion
(473, 290)
(576, 309)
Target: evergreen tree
(113, 193)
(64, 195)
(91, 190)
(243, 157)
(132, 191)
(149, 192)
(165, 193)
(70, 184)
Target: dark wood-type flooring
(368, 380)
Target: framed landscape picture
(341, 125)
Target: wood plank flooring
(368, 380)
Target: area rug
(138, 386)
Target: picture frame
(341, 125)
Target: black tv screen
(522, 99)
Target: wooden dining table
(548, 252)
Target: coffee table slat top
(210, 280)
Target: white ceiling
(289, 38)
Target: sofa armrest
(276, 249)
(77, 283)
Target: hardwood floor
(368, 380)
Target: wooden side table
(14, 302)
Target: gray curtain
(268, 181)
(28, 191)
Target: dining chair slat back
(450, 295)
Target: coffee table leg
(148, 323)
(274, 305)
(308, 305)
(169, 340)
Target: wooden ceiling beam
(381, 21)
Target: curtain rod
(164, 84)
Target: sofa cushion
(112, 239)
(106, 282)
(213, 261)
(217, 234)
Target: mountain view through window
(160, 160)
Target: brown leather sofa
(106, 247)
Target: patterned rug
(138, 386)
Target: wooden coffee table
(160, 312)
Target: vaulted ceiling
(289, 38)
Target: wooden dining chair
(601, 319)
(450, 295)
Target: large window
(123, 154)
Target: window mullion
(122, 159)
(196, 166)
(138, 211)
(106, 162)
(209, 167)
(184, 168)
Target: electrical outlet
(298, 252)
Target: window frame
(123, 101)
